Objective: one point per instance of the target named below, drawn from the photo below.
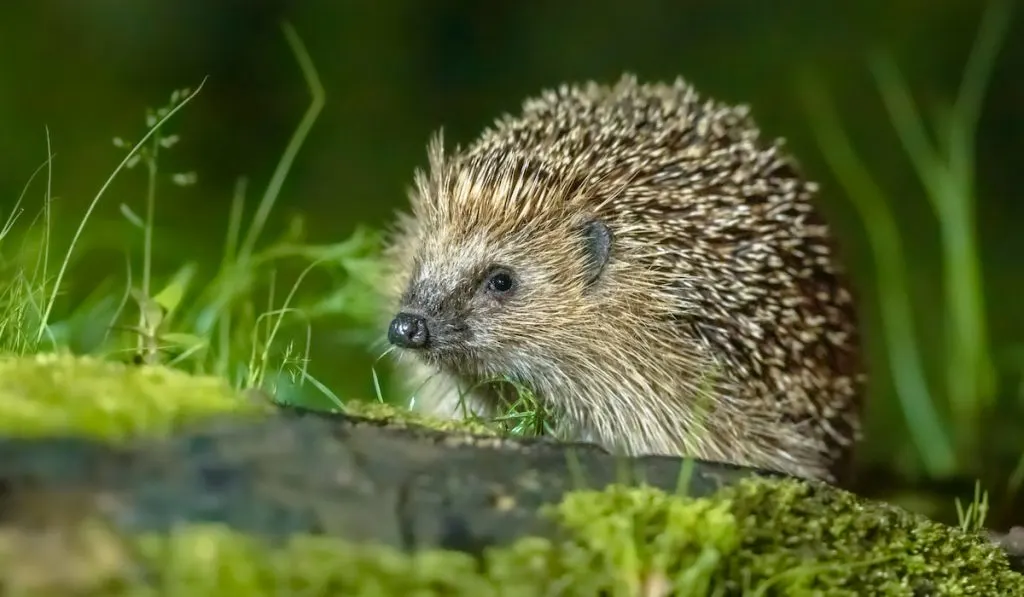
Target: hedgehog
(655, 273)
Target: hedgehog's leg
(440, 394)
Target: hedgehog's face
(483, 305)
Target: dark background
(396, 70)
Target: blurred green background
(394, 71)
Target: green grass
(243, 323)
(945, 421)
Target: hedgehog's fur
(720, 326)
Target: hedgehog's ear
(597, 238)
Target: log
(400, 507)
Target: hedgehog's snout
(409, 330)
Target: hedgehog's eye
(500, 281)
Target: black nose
(408, 331)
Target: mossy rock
(125, 481)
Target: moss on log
(132, 481)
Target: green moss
(63, 394)
(758, 538)
(805, 537)
(211, 560)
(398, 416)
(624, 541)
